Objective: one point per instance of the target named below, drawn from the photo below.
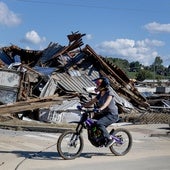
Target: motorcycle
(70, 143)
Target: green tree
(143, 74)
(135, 66)
(168, 70)
(121, 63)
(135, 70)
(157, 65)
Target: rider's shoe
(109, 143)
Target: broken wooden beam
(32, 104)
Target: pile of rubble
(47, 85)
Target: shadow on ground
(50, 155)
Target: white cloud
(28, 48)
(155, 27)
(33, 38)
(147, 42)
(7, 17)
(89, 36)
(131, 50)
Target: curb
(34, 128)
(60, 129)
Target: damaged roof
(73, 67)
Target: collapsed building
(48, 84)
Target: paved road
(24, 150)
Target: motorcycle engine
(95, 136)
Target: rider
(107, 112)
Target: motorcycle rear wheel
(70, 145)
(123, 142)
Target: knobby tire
(115, 147)
(67, 155)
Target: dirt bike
(70, 143)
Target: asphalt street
(33, 150)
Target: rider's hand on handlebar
(79, 107)
(96, 110)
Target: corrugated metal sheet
(80, 83)
(74, 61)
(45, 70)
(49, 89)
(9, 86)
(71, 69)
(52, 49)
(65, 112)
(76, 83)
(6, 59)
(66, 105)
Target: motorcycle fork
(76, 135)
(79, 129)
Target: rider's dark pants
(104, 121)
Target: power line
(86, 6)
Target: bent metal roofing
(75, 66)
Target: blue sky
(128, 29)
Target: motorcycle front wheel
(70, 145)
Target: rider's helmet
(102, 83)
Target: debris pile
(48, 84)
